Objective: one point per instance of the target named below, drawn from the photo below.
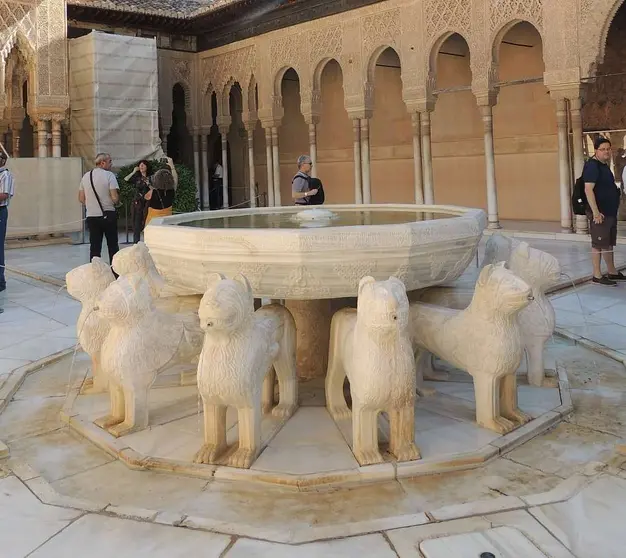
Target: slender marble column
(365, 160)
(313, 147)
(35, 139)
(251, 170)
(56, 138)
(358, 176)
(276, 165)
(427, 159)
(575, 105)
(205, 169)
(224, 134)
(42, 133)
(417, 159)
(490, 167)
(564, 168)
(196, 162)
(270, 166)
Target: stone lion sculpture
(142, 342)
(537, 321)
(137, 259)
(485, 340)
(372, 346)
(240, 347)
(86, 283)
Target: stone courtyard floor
(560, 494)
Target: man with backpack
(306, 190)
(602, 204)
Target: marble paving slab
(369, 546)
(103, 537)
(503, 542)
(24, 523)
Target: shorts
(604, 235)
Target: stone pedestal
(313, 325)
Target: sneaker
(3, 287)
(619, 276)
(605, 281)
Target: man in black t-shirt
(603, 198)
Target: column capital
(488, 98)
(360, 113)
(421, 105)
(269, 124)
(311, 118)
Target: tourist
(162, 192)
(99, 193)
(301, 190)
(140, 177)
(216, 193)
(603, 199)
(7, 185)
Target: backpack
(579, 198)
(317, 199)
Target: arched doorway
(391, 136)
(335, 165)
(456, 129)
(179, 142)
(526, 146)
(293, 133)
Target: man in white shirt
(6, 193)
(99, 193)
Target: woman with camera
(140, 177)
(162, 192)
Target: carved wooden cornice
(232, 22)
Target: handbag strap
(94, 191)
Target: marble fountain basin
(321, 254)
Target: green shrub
(185, 200)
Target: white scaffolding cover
(114, 98)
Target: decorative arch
(499, 35)
(278, 79)
(373, 59)
(604, 35)
(435, 47)
(187, 90)
(23, 44)
(319, 70)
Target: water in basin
(342, 218)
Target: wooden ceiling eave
(128, 19)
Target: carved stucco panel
(236, 65)
(482, 64)
(412, 53)
(444, 15)
(381, 29)
(325, 43)
(594, 22)
(503, 11)
(352, 66)
(14, 17)
(57, 35)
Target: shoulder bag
(106, 215)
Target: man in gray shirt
(300, 185)
(99, 192)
